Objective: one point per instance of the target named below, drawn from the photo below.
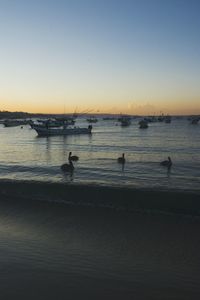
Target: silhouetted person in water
(121, 160)
(167, 163)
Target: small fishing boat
(143, 124)
(195, 121)
(43, 131)
(13, 123)
(168, 119)
(92, 120)
(125, 121)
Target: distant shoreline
(24, 115)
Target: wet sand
(60, 250)
(168, 201)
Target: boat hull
(64, 131)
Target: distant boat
(66, 120)
(43, 131)
(109, 118)
(151, 119)
(168, 119)
(143, 124)
(161, 118)
(92, 120)
(195, 121)
(13, 123)
(125, 121)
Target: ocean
(104, 232)
(25, 156)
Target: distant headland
(16, 115)
(22, 115)
(4, 114)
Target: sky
(134, 57)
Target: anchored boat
(42, 131)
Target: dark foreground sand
(100, 196)
(82, 250)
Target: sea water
(52, 249)
(25, 156)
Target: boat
(150, 119)
(92, 120)
(195, 120)
(45, 131)
(143, 124)
(13, 123)
(125, 121)
(109, 118)
(46, 123)
(168, 119)
(66, 120)
(161, 118)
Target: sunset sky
(129, 56)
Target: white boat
(42, 131)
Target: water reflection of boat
(42, 131)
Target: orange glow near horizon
(178, 107)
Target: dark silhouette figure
(167, 163)
(68, 167)
(72, 157)
(121, 160)
(90, 128)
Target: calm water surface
(23, 155)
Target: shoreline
(130, 199)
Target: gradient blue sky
(139, 57)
